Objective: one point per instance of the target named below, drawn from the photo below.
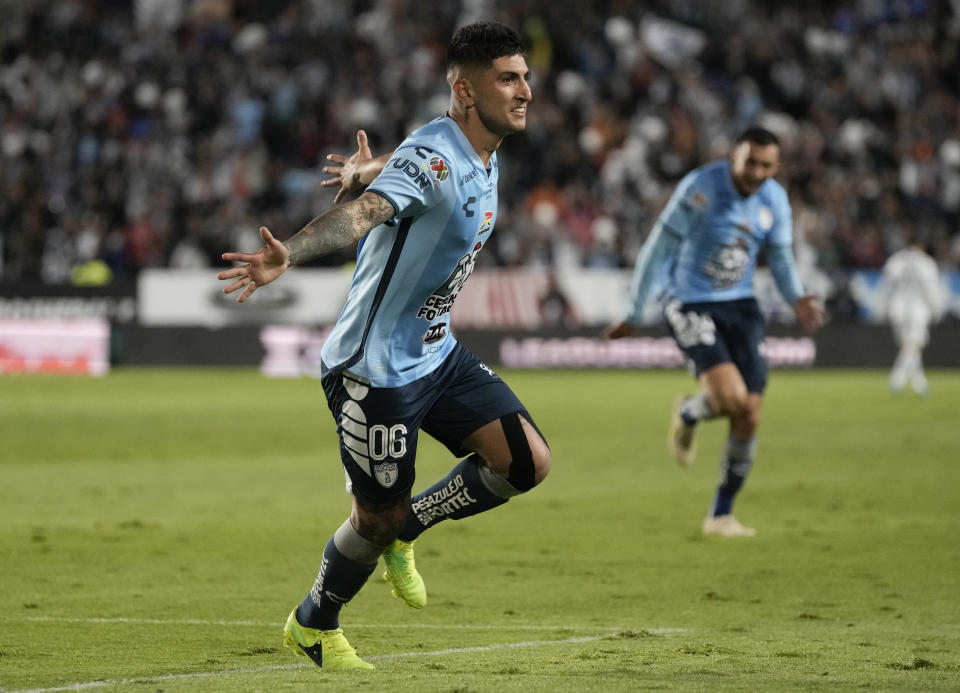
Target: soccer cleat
(920, 385)
(681, 437)
(328, 649)
(402, 573)
(726, 526)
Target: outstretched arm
(354, 172)
(659, 248)
(807, 308)
(336, 229)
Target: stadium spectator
(555, 308)
(217, 110)
(708, 238)
(391, 366)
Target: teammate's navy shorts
(726, 331)
(378, 427)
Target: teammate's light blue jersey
(395, 326)
(721, 232)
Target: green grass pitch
(157, 526)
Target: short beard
(500, 129)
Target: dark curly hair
(758, 135)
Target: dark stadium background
(154, 135)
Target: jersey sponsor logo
(317, 592)
(469, 176)
(441, 300)
(435, 333)
(417, 174)
(440, 169)
(467, 211)
(439, 504)
(487, 223)
(729, 264)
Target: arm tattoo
(338, 228)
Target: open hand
(262, 267)
(348, 173)
(809, 312)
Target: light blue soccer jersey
(395, 326)
(721, 232)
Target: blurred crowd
(159, 133)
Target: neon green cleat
(328, 649)
(402, 572)
(681, 437)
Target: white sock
(696, 408)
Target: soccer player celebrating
(708, 237)
(913, 300)
(391, 366)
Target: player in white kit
(913, 300)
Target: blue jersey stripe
(382, 285)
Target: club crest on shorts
(386, 473)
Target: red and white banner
(68, 347)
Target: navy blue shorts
(727, 331)
(378, 427)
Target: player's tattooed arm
(338, 228)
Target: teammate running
(709, 235)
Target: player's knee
(733, 403)
(529, 452)
(380, 521)
(746, 420)
(541, 460)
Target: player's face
(752, 164)
(502, 93)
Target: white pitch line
(88, 685)
(271, 624)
